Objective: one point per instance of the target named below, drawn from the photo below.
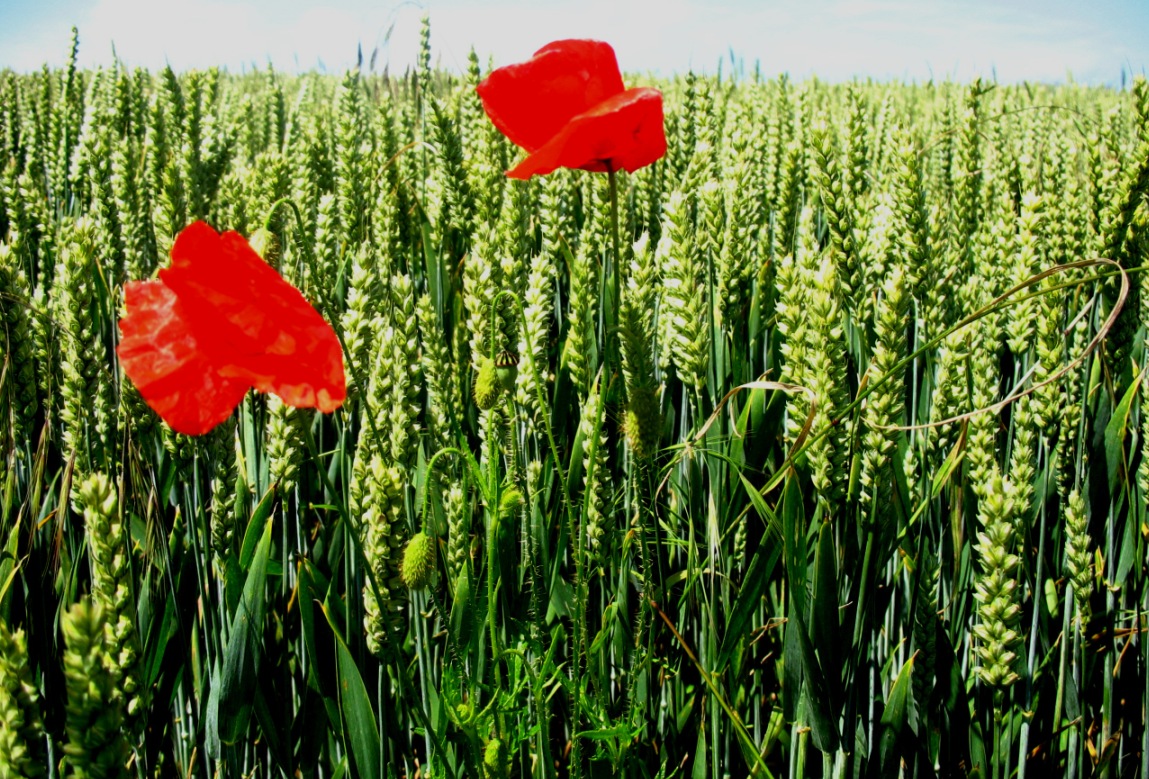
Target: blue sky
(1095, 41)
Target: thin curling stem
(427, 479)
(566, 498)
(540, 397)
(495, 318)
(298, 219)
(492, 324)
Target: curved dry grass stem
(1102, 331)
(761, 384)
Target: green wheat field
(831, 462)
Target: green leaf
(622, 731)
(248, 434)
(823, 727)
(757, 423)
(824, 626)
(272, 732)
(359, 723)
(948, 466)
(794, 540)
(1052, 598)
(794, 550)
(251, 535)
(953, 700)
(212, 736)
(603, 634)
(939, 480)
(754, 583)
(1115, 436)
(8, 566)
(575, 464)
(791, 668)
(773, 524)
(157, 640)
(461, 611)
(699, 771)
(233, 684)
(901, 486)
(562, 601)
(313, 589)
(433, 264)
(899, 713)
(1130, 552)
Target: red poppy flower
(568, 108)
(218, 322)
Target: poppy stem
(615, 349)
(427, 482)
(288, 201)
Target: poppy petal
(253, 325)
(623, 132)
(530, 102)
(163, 356)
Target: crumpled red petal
(254, 325)
(622, 132)
(218, 322)
(530, 102)
(164, 358)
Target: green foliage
(746, 493)
(21, 725)
(96, 747)
(418, 566)
(487, 386)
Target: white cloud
(834, 39)
(184, 34)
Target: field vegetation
(814, 449)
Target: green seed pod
(418, 568)
(495, 759)
(507, 368)
(487, 385)
(510, 503)
(266, 245)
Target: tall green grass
(758, 510)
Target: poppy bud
(507, 366)
(495, 759)
(487, 385)
(510, 502)
(266, 245)
(418, 568)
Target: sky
(1091, 42)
